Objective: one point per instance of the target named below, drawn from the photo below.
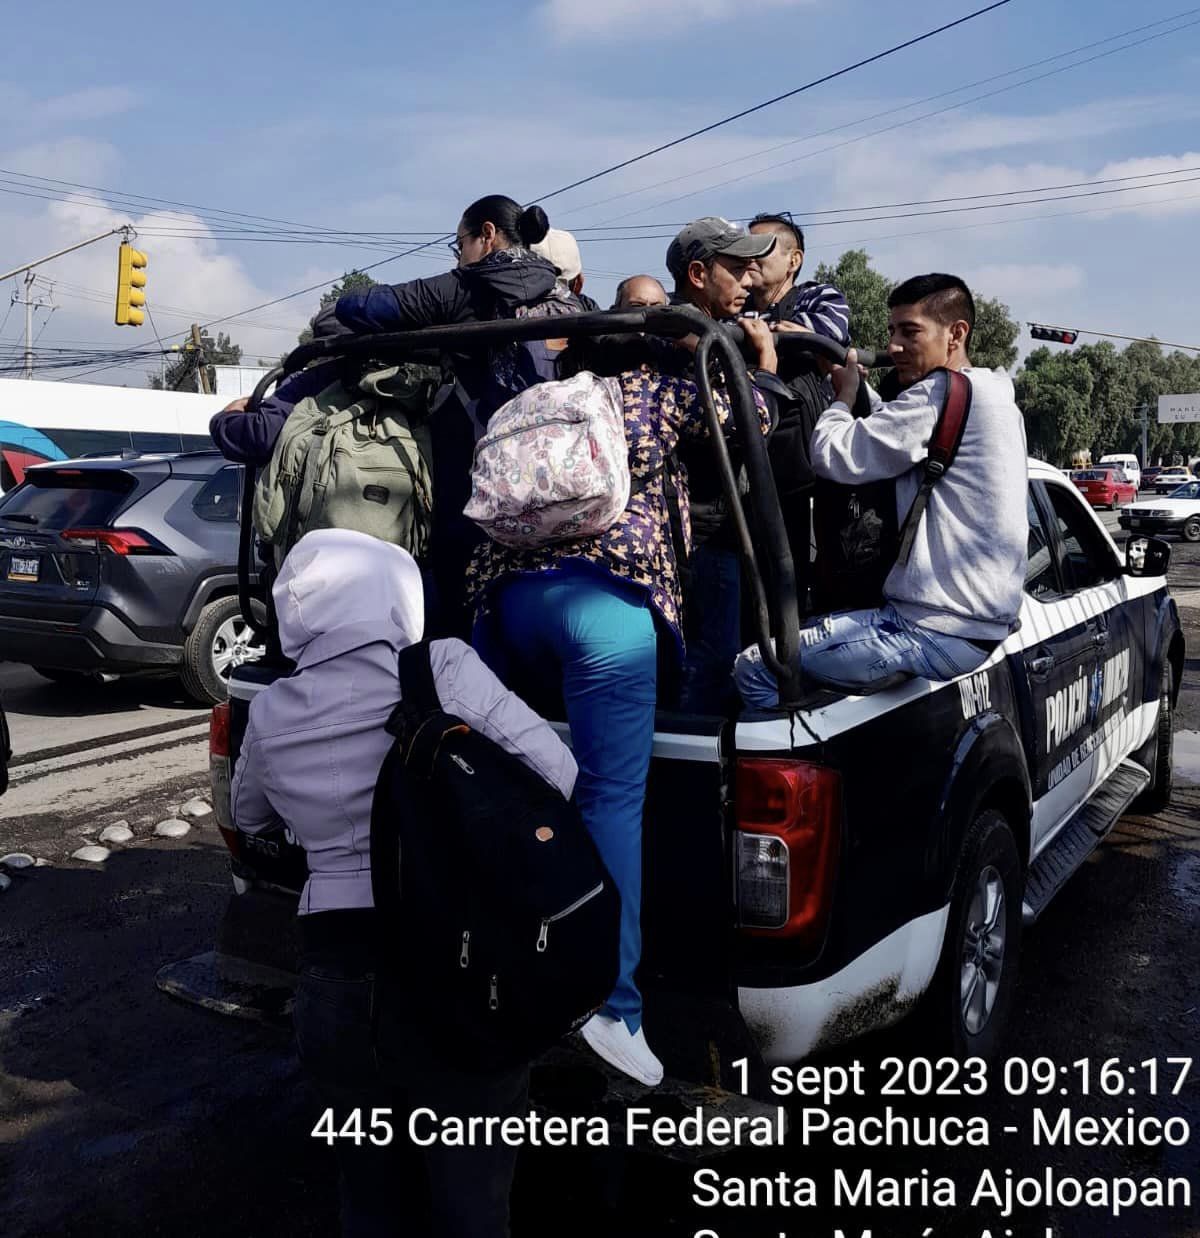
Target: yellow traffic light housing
(131, 279)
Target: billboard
(1173, 408)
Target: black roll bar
(778, 625)
(246, 530)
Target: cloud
(94, 103)
(1015, 280)
(40, 114)
(616, 19)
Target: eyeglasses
(455, 248)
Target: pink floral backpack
(553, 465)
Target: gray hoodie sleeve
(250, 807)
(468, 689)
(887, 444)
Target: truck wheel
(1191, 529)
(220, 641)
(1158, 794)
(965, 1011)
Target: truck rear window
(66, 499)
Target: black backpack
(504, 918)
(858, 535)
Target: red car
(1105, 487)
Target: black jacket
(485, 290)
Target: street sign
(1173, 408)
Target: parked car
(125, 564)
(1149, 474)
(1171, 479)
(1108, 487)
(1178, 513)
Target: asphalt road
(123, 1112)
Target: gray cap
(706, 238)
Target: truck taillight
(786, 846)
(219, 776)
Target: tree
(994, 340)
(1054, 391)
(352, 281)
(866, 292)
(181, 373)
(993, 344)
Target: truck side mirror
(1147, 556)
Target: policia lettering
(1084, 700)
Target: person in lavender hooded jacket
(347, 603)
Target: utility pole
(1143, 411)
(30, 305)
(201, 369)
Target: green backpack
(353, 457)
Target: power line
(648, 154)
(955, 210)
(901, 124)
(758, 107)
(1036, 64)
(882, 206)
(1021, 219)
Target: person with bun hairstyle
(497, 273)
(497, 276)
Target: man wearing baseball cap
(713, 263)
(561, 248)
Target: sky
(389, 119)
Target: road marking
(106, 752)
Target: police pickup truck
(827, 868)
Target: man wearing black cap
(713, 262)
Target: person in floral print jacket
(585, 617)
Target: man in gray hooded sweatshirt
(959, 593)
(313, 749)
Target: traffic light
(131, 279)
(1057, 335)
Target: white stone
(117, 833)
(195, 808)
(5, 882)
(41, 863)
(173, 828)
(91, 853)
(16, 859)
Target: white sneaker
(628, 1051)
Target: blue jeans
(712, 629)
(599, 634)
(861, 649)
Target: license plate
(23, 568)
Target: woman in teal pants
(588, 615)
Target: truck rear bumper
(878, 988)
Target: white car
(1171, 479)
(1177, 512)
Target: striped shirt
(819, 307)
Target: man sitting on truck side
(959, 593)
